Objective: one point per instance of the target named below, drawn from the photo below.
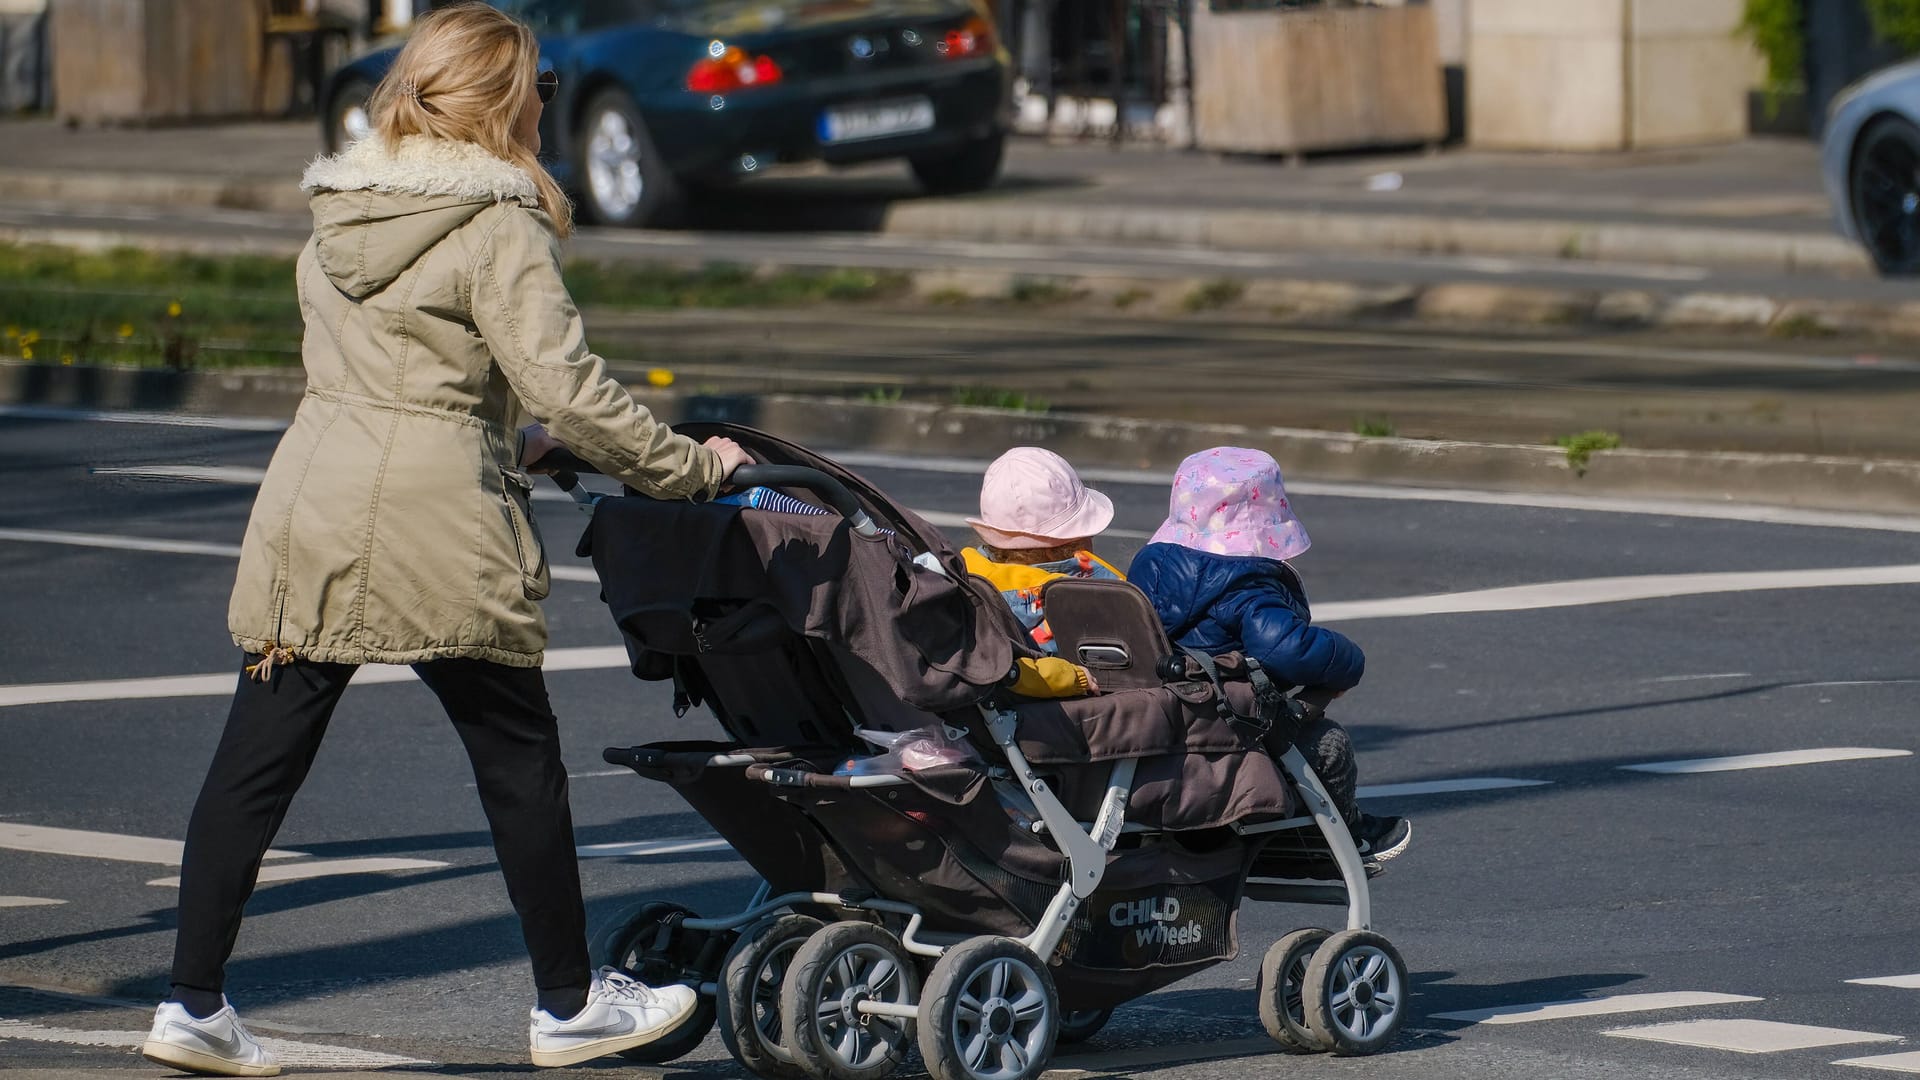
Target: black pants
(274, 731)
(1329, 749)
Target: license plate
(884, 119)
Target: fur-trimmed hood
(376, 212)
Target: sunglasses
(546, 84)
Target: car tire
(623, 180)
(347, 117)
(973, 167)
(1884, 189)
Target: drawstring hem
(274, 656)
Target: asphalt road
(1775, 887)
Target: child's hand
(1093, 684)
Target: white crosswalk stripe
(1599, 1006)
(1749, 1036)
(1907, 1063)
(290, 1052)
(1900, 982)
(1780, 759)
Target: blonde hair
(464, 76)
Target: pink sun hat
(1232, 501)
(1031, 498)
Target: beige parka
(393, 525)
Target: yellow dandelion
(660, 377)
(30, 337)
(126, 329)
(173, 310)
(12, 332)
(67, 359)
(26, 352)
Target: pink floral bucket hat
(1232, 501)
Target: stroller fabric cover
(685, 579)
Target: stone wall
(1606, 74)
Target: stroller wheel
(1081, 1025)
(749, 999)
(990, 1013)
(1356, 992)
(839, 968)
(1282, 991)
(647, 943)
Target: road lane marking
(234, 474)
(298, 1054)
(1766, 761)
(1554, 594)
(1702, 678)
(194, 547)
(1614, 590)
(1446, 787)
(221, 684)
(1600, 1006)
(1748, 1036)
(1906, 1063)
(45, 840)
(650, 847)
(156, 419)
(248, 476)
(1899, 982)
(1599, 504)
(240, 475)
(28, 901)
(326, 868)
(942, 519)
(120, 543)
(1712, 511)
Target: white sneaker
(621, 1014)
(216, 1046)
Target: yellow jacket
(1020, 584)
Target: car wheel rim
(1000, 1022)
(766, 993)
(1890, 200)
(613, 165)
(1364, 993)
(853, 1039)
(355, 123)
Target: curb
(1792, 480)
(1315, 230)
(998, 219)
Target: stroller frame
(1327, 971)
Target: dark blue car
(657, 96)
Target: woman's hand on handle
(535, 444)
(730, 454)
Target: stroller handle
(566, 467)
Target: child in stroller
(1078, 854)
(1218, 574)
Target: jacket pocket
(517, 493)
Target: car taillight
(733, 69)
(973, 39)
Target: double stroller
(1011, 871)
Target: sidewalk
(1756, 205)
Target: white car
(1871, 164)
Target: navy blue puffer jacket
(1223, 603)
